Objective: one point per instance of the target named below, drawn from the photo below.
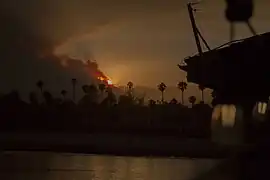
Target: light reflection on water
(56, 166)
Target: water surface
(58, 166)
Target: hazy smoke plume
(30, 31)
(27, 47)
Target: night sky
(140, 41)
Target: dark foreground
(16, 165)
(250, 163)
(115, 144)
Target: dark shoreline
(114, 144)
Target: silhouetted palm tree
(93, 88)
(40, 85)
(130, 87)
(93, 93)
(64, 93)
(161, 88)
(85, 89)
(101, 87)
(111, 98)
(192, 100)
(182, 86)
(74, 82)
(202, 88)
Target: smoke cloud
(31, 30)
(28, 38)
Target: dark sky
(142, 41)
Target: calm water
(56, 166)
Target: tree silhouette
(74, 82)
(124, 100)
(111, 98)
(40, 85)
(130, 87)
(192, 100)
(151, 102)
(202, 88)
(182, 86)
(90, 90)
(173, 101)
(102, 87)
(140, 101)
(64, 93)
(161, 88)
(93, 93)
(85, 89)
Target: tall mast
(194, 28)
(197, 33)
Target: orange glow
(101, 78)
(109, 82)
(106, 80)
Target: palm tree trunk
(162, 97)
(182, 97)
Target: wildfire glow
(109, 82)
(101, 78)
(106, 80)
